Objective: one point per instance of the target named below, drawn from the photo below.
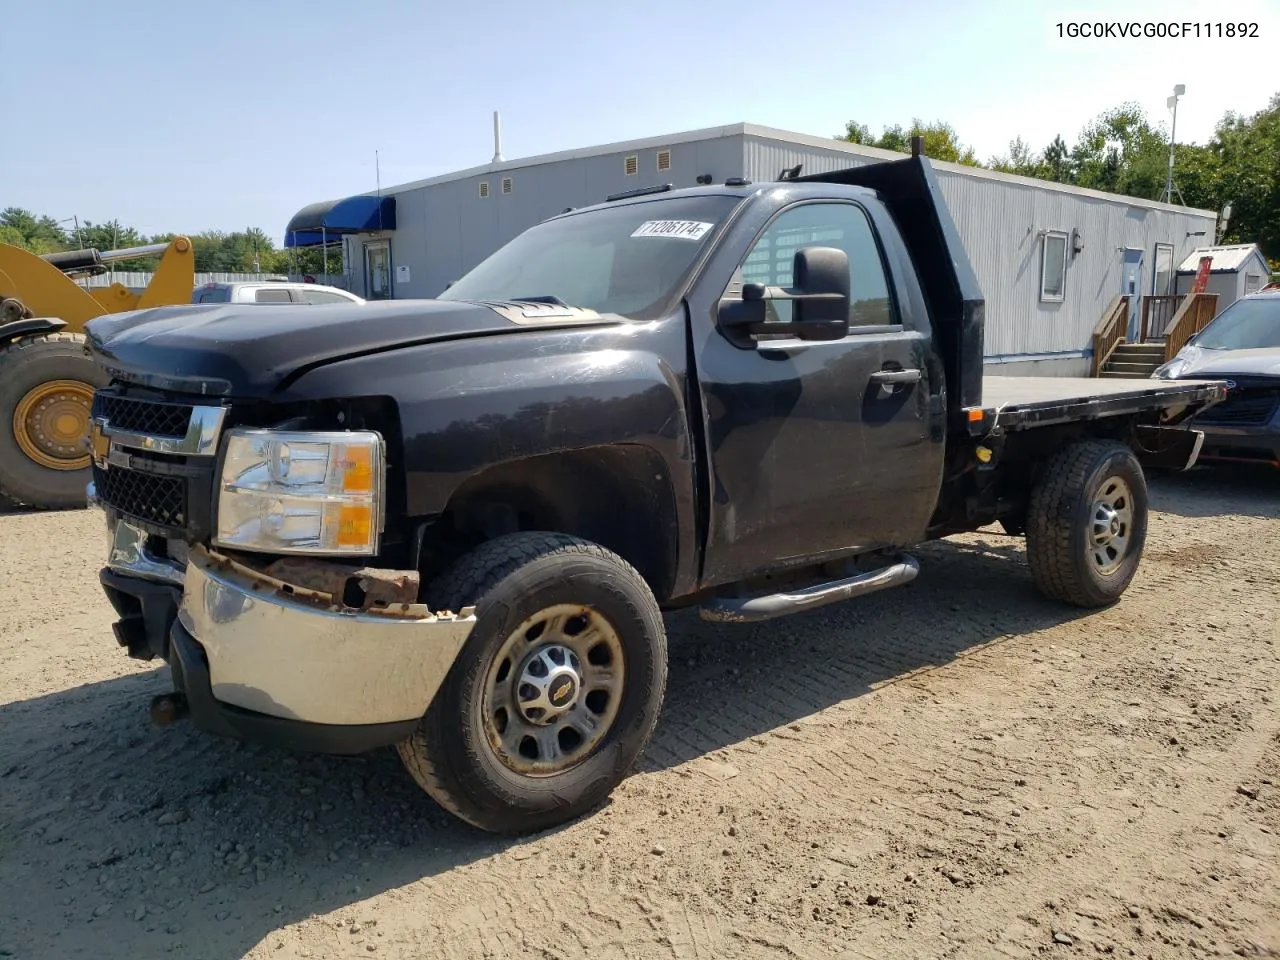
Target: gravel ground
(955, 769)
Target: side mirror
(819, 293)
(820, 281)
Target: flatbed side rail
(1193, 395)
(1109, 332)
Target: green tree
(1057, 161)
(1121, 152)
(941, 142)
(37, 234)
(1247, 151)
(1022, 161)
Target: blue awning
(327, 221)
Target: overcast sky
(173, 118)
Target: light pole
(1172, 103)
(76, 221)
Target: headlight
(301, 492)
(1170, 370)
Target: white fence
(137, 281)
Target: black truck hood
(250, 350)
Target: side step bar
(770, 605)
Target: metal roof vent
(632, 165)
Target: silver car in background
(272, 291)
(1241, 346)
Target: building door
(1131, 286)
(377, 270)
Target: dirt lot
(954, 769)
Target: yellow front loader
(46, 378)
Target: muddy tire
(1087, 523)
(46, 388)
(556, 691)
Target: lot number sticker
(680, 229)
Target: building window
(484, 189)
(1053, 267)
(664, 160)
(1162, 279)
(632, 165)
(506, 184)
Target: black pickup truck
(452, 525)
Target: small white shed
(1235, 271)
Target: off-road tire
(507, 580)
(1059, 520)
(24, 364)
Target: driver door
(816, 448)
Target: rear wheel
(46, 392)
(1087, 523)
(556, 691)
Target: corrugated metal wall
(1000, 223)
(445, 229)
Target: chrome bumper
(289, 652)
(271, 653)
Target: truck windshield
(630, 259)
(1245, 325)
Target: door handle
(886, 377)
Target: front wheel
(1087, 523)
(555, 692)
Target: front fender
(466, 406)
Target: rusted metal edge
(261, 580)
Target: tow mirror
(819, 293)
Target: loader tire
(46, 390)
(1087, 523)
(555, 692)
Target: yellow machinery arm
(47, 291)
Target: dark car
(1242, 347)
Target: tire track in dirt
(837, 785)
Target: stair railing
(1109, 332)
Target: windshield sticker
(680, 229)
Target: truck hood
(1197, 363)
(250, 350)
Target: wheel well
(973, 496)
(620, 497)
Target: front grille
(150, 497)
(1243, 408)
(149, 417)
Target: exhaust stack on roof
(497, 138)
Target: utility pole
(1172, 103)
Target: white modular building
(1050, 257)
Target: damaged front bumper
(304, 654)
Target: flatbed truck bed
(1015, 403)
